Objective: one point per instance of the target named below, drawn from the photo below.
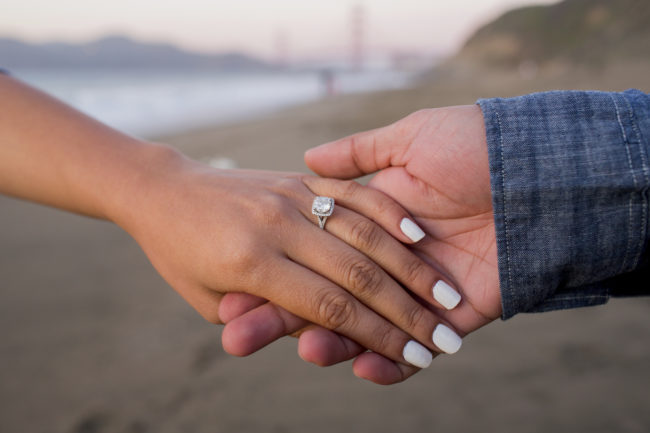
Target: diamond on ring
(322, 207)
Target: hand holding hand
(435, 163)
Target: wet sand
(93, 340)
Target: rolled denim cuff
(569, 173)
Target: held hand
(208, 232)
(435, 163)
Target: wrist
(148, 167)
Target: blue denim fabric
(570, 174)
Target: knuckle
(246, 266)
(365, 235)
(384, 205)
(349, 188)
(335, 310)
(291, 186)
(355, 151)
(272, 211)
(414, 317)
(384, 337)
(414, 271)
(363, 279)
(243, 258)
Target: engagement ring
(322, 207)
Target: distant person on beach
(527, 204)
(327, 79)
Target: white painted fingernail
(446, 295)
(446, 339)
(416, 354)
(410, 229)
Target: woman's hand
(209, 231)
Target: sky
(306, 28)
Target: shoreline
(277, 140)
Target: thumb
(359, 154)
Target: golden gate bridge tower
(358, 22)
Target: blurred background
(92, 340)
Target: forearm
(52, 154)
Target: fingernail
(416, 354)
(410, 229)
(446, 339)
(446, 295)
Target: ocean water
(151, 103)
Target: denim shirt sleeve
(570, 175)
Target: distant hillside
(117, 52)
(590, 32)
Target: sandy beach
(93, 340)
